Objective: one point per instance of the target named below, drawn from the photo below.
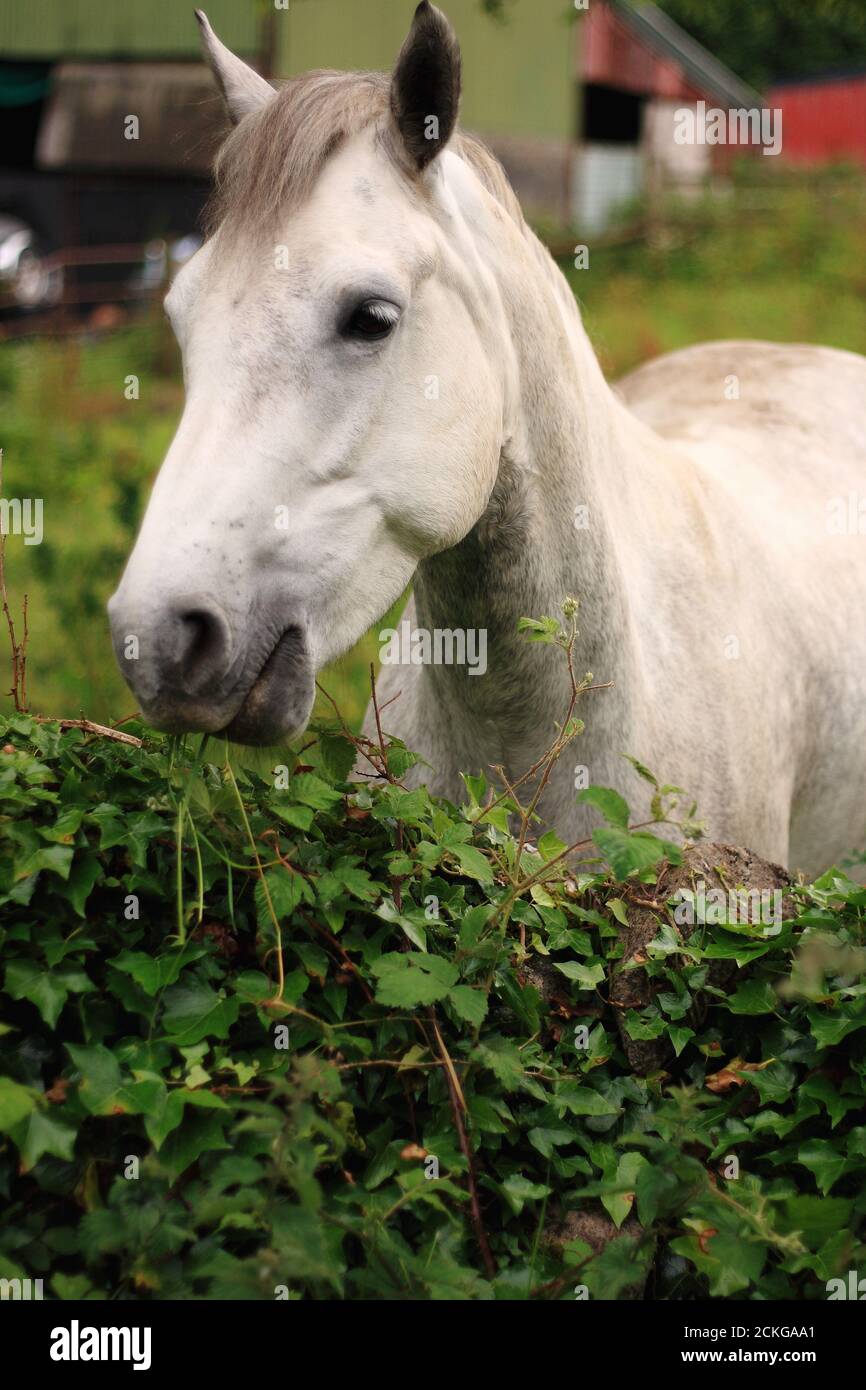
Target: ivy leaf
(473, 863)
(550, 845)
(679, 1037)
(283, 891)
(399, 760)
(469, 1004)
(628, 852)
(194, 1011)
(754, 997)
(619, 1204)
(47, 989)
(476, 786)
(619, 910)
(411, 978)
(413, 808)
(656, 1190)
(539, 629)
(774, 1083)
(314, 959)
(65, 826)
(828, 1030)
(415, 931)
(85, 874)
(612, 806)
(16, 1103)
(199, 1134)
(820, 1088)
(338, 756)
(167, 1111)
(540, 895)
(502, 1058)
(546, 1138)
(824, 1160)
(74, 1288)
(729, 1262)
(299, 817)
(643, 1029)
(312, 791)
(143, 968)
(101, 1079)
(519, 1190)
(582, 1100)
(355, 880)
(56, 858)
(587, 976)
(622, 1265)
(818, 1218)
(24, 980)
(46, 1135)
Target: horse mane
(271, 160)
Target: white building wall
(604, 179)
(681, 165)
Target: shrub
(294, 1036)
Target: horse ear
(425, 85)
(242, 89)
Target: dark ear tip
(426, 83)
(428, 17)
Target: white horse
(387, 380)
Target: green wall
(518, 75)
(51, 29)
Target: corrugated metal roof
(178, 118)
(661, 32)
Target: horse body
(410, 384)
(712, 594)
(778, 466)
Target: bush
(296, 1036)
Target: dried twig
(458, 1106)
(19, 649)
(345, 959)
(88, 727)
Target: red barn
(823, 119)
(639, 70)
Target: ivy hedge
(284, 1036)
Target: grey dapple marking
(707, 516)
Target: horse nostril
(203, 647)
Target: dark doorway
(23, 89)
(611, 116)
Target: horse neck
(564, 451)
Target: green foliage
(779, 256)
(285, 1018)
(774, 39)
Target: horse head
(346, 389)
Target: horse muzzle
(190, 673)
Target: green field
(777, 256)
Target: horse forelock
(271, 160)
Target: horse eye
(372, 320)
